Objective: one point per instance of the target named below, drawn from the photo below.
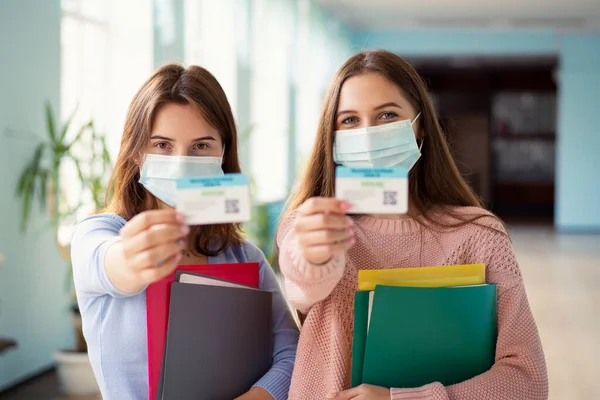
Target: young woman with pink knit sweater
(321, 248)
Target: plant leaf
(82, 178)
(40, 175)
(37, 157)
(30, 168)
(26, 196)
(55, 193)
(28, 182)
(50, 122)
(23, 180)
(43, 183)
(80, 133)
(67, 125)
(105, 153)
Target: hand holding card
(149, 249)
(214, 199)
(323, 229)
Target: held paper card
(373, 190)
(214, 199)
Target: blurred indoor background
(516, 85)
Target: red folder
(157, 308)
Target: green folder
(361, 312)
(421, 335)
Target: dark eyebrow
(345, 112)
(390, 104)
(384, 105)
(161, 138)
(172, 140)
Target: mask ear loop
(416, 118)
(412, 123)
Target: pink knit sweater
(325, 294)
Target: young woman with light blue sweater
(179, 124)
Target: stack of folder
(414, 326)
(209, 332)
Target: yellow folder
(439, 276)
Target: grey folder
(219, 342)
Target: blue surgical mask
(159, 173)
(389, 145)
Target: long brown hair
(434, 181)
(173, 84)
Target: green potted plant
(86, 156)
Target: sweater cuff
(276, 383)
(308, 272)
(431, 391)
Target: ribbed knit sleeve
(305, 283)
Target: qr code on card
(390, 198)
(232, 206)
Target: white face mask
(159, 173)
(389, 145)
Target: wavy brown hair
(173, 84)
(434, 181)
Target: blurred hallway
(562, 277)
